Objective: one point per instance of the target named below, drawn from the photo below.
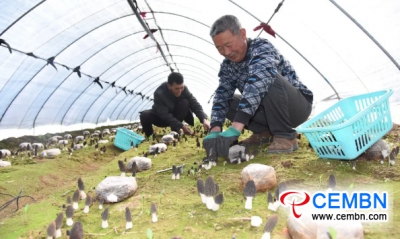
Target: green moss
(180, 210)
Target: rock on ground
(78, 146)
(263, 175)
(116, 188)
(161, 147)
(142, 163)
(4, 163)
(167, 138)
(50, 153)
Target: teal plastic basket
(351, 126)
(125, 137)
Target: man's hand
(186, 130)
(225, 140)
(210, 142)
(206, 125)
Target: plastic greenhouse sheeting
(103, 40)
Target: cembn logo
(294, 203)
(335, 200)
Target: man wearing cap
(173, 103)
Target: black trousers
(148, 118)
(283, 108)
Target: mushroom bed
(178, 205)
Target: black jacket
(164, 105)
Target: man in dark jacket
(173, 103)
(273, 100)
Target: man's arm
(222, 97)
(162, 112)
(262, 75)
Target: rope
(63, 65)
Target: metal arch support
(62, 120)
(194, 50)
(144, 107)
(184, 64)
(113, 65)
(182, 16)
(173, 30)
(103, 92)
(83, 19)
(102, 74)
(145, 94)
(22, 16)
(34, 122)
(135, 67)
(152, 89)
(61, 82)
(45, 66)
(81, 64)
(366, 33)
(15, 97)
(150, 84)
(174, 14)
(76, 41)
(121, 90)
(110, 116)
(130, 102)
(108, 103)
(131, 55)
(196, 60)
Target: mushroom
(218, 200)
(88, 203)
(331, 182)
(75, 199)
(269, 226)
(104, 218)
(153, 211)
(121, 168)
(70, 213)
(76, 231)
(128, 218)
(200, 189)
(59, 222)
(209, 191)
(249, 193)
(81, 187)
(51, 230)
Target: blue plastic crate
(125, 137)
(351, 126)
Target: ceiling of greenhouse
(89, 61)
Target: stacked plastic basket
(126, 138)
(351, 126)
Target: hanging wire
(327, 81)
(76, 69)
(366, 33)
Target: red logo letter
(294, 203)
